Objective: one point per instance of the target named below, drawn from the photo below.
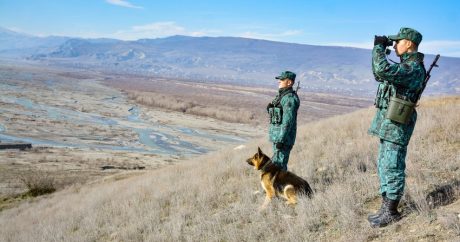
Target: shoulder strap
(277, 101)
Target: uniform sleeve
(290, 106)
(393, 73)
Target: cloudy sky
(317, 22)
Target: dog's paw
(265, 204)
(263, 208)
(288, 216)
(291, 203)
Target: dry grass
(231, 103)
(212, 198)
(205, 109)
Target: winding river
(154, 137)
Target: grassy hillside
(212, 198)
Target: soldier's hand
(381, 40)
(279, 145)
(270, 105)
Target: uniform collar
(284, 90)
(415, 56)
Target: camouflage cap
(286, 75)
(407, 33)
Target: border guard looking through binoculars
(400, 87)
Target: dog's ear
(259, 151)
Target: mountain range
(220, 59)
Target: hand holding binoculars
(382, 40)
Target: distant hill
(23, 45)
(222, 59)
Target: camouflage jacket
(403, 80)
(283, 117)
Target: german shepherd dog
(277, 182)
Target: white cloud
(161, 28)
(158, 30)
(15, 29)
(362, 45)
(443, 47)
(123, 3)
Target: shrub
(38, 183)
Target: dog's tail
(307, 189)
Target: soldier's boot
(389, 215)
(380, 211)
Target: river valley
(77, 125)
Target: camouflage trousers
(281, 156)
(391, 165)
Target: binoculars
(389, 42)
